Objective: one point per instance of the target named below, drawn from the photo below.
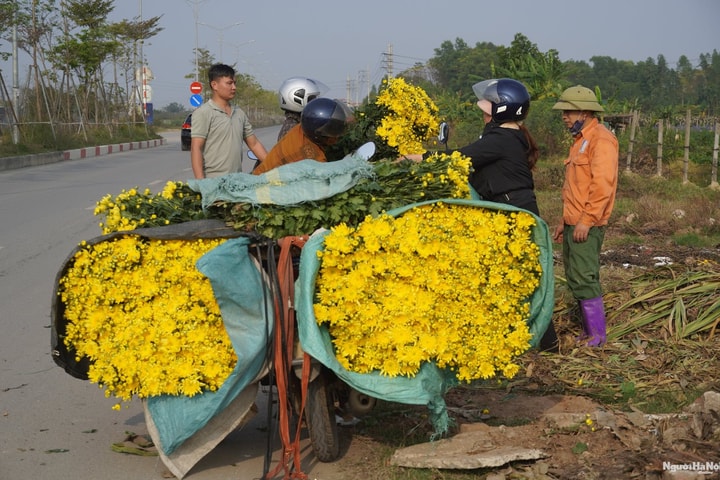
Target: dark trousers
(519, 198)
(582, 262)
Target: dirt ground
(580, 438)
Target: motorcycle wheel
(320, 419)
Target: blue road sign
(196, 100)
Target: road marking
(155, 182)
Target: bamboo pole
(713, 180)
(660, 148)
(631, 144)
(686, 155)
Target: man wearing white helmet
(591, 176)
(294, 94)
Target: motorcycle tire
(320, 419)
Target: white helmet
(296, 92)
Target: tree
(709, 91)
(455, 68)
(174, 107)
(204, 61)
(686, 77)
(35, 21)
(542, 73)
(131, 35)
(86, 44)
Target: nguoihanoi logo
(705, 468)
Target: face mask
(577, 126)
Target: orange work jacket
(591, 176)
(293, 147)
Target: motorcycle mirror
(251, 155)
(444, 133)
(365, 151)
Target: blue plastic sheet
(291, 184)
(245, 303)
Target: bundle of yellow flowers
(133, 209)
(145, 317)
(411, 117)
(401, 120)
(446, 283)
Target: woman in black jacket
(504, 156)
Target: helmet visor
(318, 89)
(487, 90)
(336, 123)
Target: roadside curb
(22, 161)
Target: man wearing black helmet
(321, 123)
(294, 94)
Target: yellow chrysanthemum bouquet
(401, 120)
(133, 208)
(442, 283)
(145, 317)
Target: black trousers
(524, 198)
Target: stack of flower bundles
(407, 288)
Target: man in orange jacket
(591, 176)
(322, 122)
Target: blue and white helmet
(504, 99)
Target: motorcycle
(309, 394)
(314, 394)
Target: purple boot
(593, 314)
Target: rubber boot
(580, 318)
(593, 314)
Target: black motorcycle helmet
(509, 98)
(324, 120)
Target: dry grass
(657, 359)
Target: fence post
(631, 144)
(686, 155)
(713, 180)
(660, 148)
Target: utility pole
(16, 82)
(389, 61)
(349, 86)
(141, 69)
(220, 31)
(360, 82)
(196, 15)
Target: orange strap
(283, 356)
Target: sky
(347, 45)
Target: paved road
(53, 426)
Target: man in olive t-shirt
(219, 128)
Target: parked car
(185, 133)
